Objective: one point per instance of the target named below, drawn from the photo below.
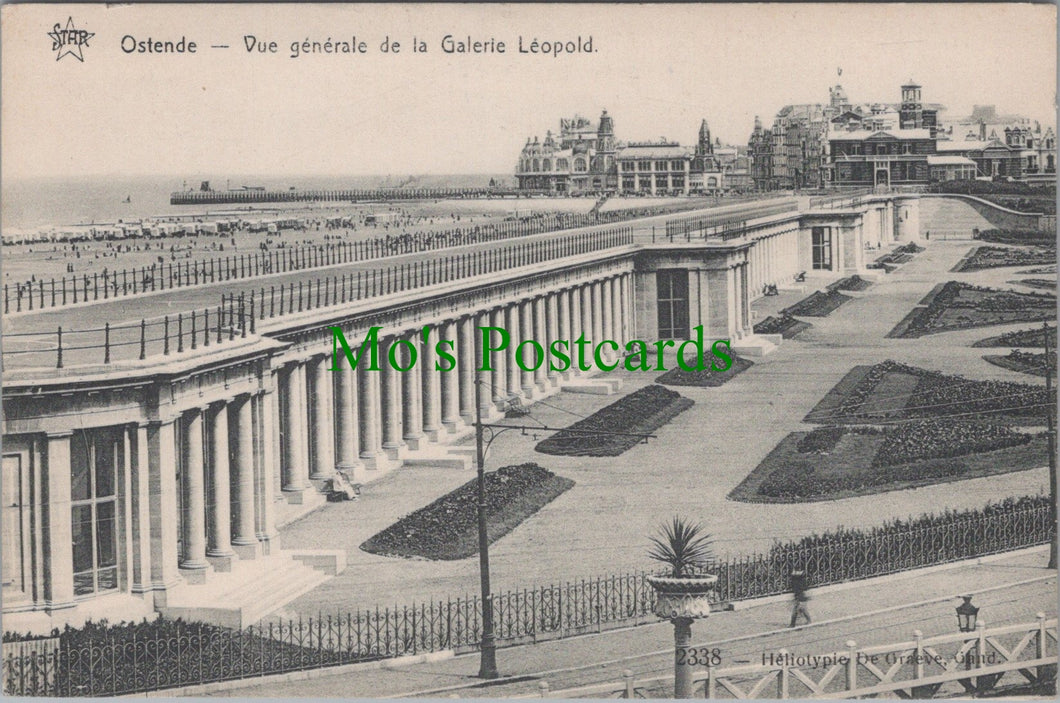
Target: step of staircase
(755, 345)
(601, 385)
(249, 592)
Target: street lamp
(488, 658)
(967, 614)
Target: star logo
(67, 41)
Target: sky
(658, 70)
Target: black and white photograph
(544, 350)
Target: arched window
(562, 165)
(537, 165)
(579, 165)
(1050, 162)
(546, 165)
(712, 182)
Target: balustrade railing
(237, 314)
(728, 225)
(106, 661)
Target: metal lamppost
(488, 659)
(966, 621)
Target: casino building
(586, 158)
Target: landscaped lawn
(850, 461)
(448, 527)
(1024, 362)
(706, 377)
(954, 305)
(1020, 338)
(891, 391)
(988, 257)
(784, 325)
(817, 304)
(641, 412)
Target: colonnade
(774, 260)
(239, 456)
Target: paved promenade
(1008, 589)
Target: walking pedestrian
(799, 585)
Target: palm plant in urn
(684, 592)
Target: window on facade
(855, 149)
(660, 165)
(579, 165)
(907, 148)
(677, 165)
(672, 297)
(94, 463)
(546, 165)
(644, 165)
(677, 182)
(629, 183)
(644, 184)
(822, 248)
(562, 165)
(537, 165)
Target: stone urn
(683, 596)
(682, 599)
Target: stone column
(347, 439)
(542, 338)
(265, 414)
(295, 470)
(526, 315)
(589, 322)
(244, 539)
(606, 323)
(162, 452)
(745, 302)
(321, 419)
(56, 529)
(390, 406)
(565, 326)
(451, 377)
(512, 325)
(411, 392)
(552, 316)
(193, 499)
(219, 514)
(140, 510)
(368, 400)
(496, 385)
(483, 396)
(577, 328)
(466, 370)
(431, 382)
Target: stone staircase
(253, 589)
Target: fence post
(59, 358)
(542, 689)
(106, 343)
(852, 665)
(180, 332)
(627, 677)
(194, 342)
(782, 679)
(165, 334)
(1039, 646)
(143, 338)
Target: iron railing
(107, 661)
(237, 314)
(726, 225)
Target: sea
(35, 203)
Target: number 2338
(699, 656)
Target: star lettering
(67, 41)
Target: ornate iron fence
(101, 660)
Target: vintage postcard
(529, 350)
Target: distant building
(587, 158)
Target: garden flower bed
(448, 528)
(1043, 283)
(892, 391)
(706, 377)
(642, 411)
(1026, 237)
(783, 324)
(838, 462)
(954, 305)
(818, 304)
(1020, 338)
(855, 283)
(1024, 362)
(988, 257)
